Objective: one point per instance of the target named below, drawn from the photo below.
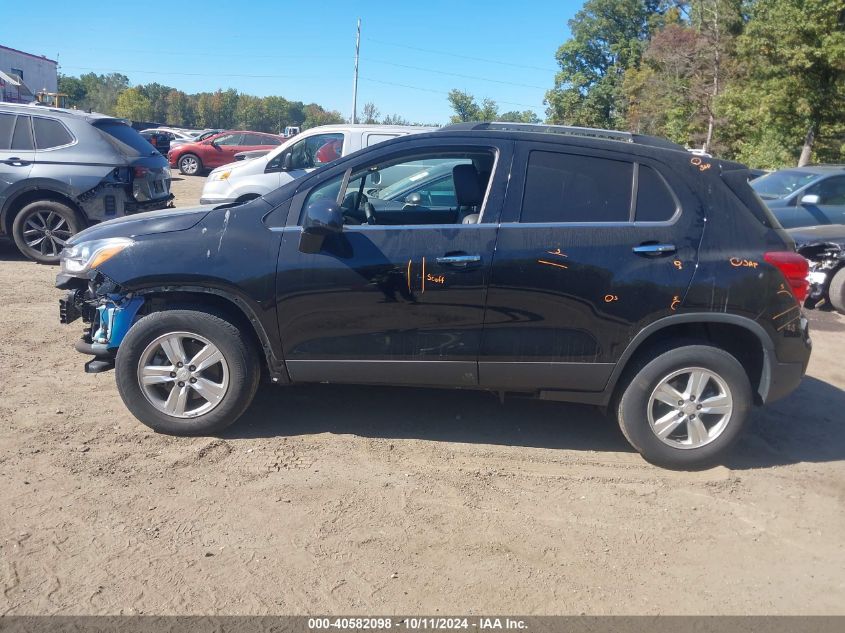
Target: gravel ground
(376, 500)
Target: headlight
(80, 259)
(223, 175)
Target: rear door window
(7, 125)
(22, 136)
(572, 188)
(50, 133)
(372, 139)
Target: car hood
(143, 224)
(807, 235)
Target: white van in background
(241, 181)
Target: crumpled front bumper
(107, 315)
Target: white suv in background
(241, 181)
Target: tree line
(760, 81)
(228, 109)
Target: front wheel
(685, 407)
(836, 291)
(186, 372)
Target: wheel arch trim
(766, 344)
(275, 365)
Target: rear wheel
(42, 227)
(836, 291)
(685, 407)
(186, 372)
(190, 165)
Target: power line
(470, 57)
(157, 72)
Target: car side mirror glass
(375, 178)
(414, 199)
(287, 162)
(810, 199)
(323, 217)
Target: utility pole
(355, 81)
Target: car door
(303, 155)
(398, 303)
(580, 266)
(222, 150)
(17, 154)
(830, 208)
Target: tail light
(795, 268)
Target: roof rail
(568, 130)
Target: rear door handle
(17, 162)
(654, 249)
(459, 260)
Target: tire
(836, 291)
(41, 228)
(229, 384)
(696, 439)
(190, 165)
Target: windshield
(781, 184)
(127, 140)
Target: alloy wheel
(46, 232)
(690, 408)
(189, 165)
(183, 375)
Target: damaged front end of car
(104, 307)
(825, 258)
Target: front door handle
(17, 162)
(459, 260)
(655, 249)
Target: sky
(412, 53)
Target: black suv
(573, 264)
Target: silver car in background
(63, 170)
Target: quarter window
(830, 191)
(7, 124)
(655, 203)
(571, 188)
(50, 133)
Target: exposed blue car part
(116, 316)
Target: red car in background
(194, 158)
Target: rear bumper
(784, 378)
(149, 205)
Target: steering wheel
(370, 212)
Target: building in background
(24, 74)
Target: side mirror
(810, 199)
(375, 178)
(287, 162)
(413, 199)
(323, 217)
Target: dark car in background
(810, 203)
(564, 263)
(64, 170)
(193, 159)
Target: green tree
(526, 116)
(315, 115)
(786, 103)
(464, 105)
(608, 37)
(395, 119)
(133, 105)
(73, 88)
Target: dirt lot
(374, 500)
